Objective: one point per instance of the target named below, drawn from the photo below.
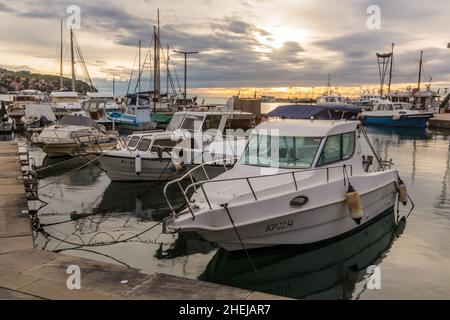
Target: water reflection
(143, 200)
(6, 137)
(330, 272)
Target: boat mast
(390, 71)
(159, 60)
(167, 70)
(155, 68)
(156, 65)
(329, 84)
(74, 81)
(61, 79)
(420, 70)
(139, 76)
(114, 85)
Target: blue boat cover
(317, 112)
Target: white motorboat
(65, 103)
(74, 135)
(299, 182)
(150, 156)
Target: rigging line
(132, 73)
(176, 76)
(55, 165)
(141, 70)
(100, 244)
(95, 252)
(83, 63)
(225, 206)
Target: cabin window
(389, 107)
(337, 148)
(281, 152)
(192, 123)
(211, 122)
(144, 145)
(163, 143)
(133, 142)
(175, 123)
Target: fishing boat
(299, 182)
(150, 156)
(74, 135)
(387, 113)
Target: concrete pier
(440, 121)
(29, 273)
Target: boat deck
(30, 273)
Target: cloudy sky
(242, 43)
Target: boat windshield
(281, 152)
(176, 121)
(192, 123)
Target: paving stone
(162, 287)
(7, 294)
(12, 280)
(21, 261)
(95, 275)
(52, 290)
(11, 244)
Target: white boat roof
(308, 128)
(64, 94)
(99, 95)
(214, 113)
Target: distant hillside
(22, 80)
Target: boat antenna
(420, 70)
(329, 84)
(383, 63)
(391, 67)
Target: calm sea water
(414, 265)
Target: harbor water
(86, 208)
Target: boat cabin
(190, 122)
(302, 144)
(332, 100)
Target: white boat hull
(122, 169)
(272, 221)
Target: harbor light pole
(186, 53)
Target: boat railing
(88, 142)
(347, 170)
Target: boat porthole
(299, 201)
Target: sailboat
(137, 116)
(68, 102)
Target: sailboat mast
(167, 70)
(74, 81)
(390, 71)
(61, 79)
(159, 61)
(420, 70)
(139, 73)
(155, 68)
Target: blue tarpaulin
(317, 112)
